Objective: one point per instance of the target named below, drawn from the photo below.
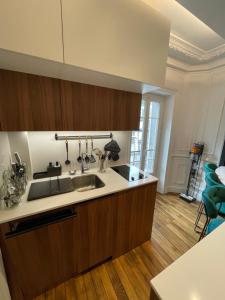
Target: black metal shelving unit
(195, 156)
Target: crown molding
(217, 65)
(179, 45)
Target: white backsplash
(43, 148)
(4, 152)
(18, 142)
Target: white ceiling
(192, 41)
(211, 12)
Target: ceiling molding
(218, 65)
(179, 45)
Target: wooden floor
(128, 276)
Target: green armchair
(212, 196)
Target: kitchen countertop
(198, 274)
(220, 171)
(113, 183)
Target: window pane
(137, 164)
(154, 110)
(149, 166)
(152, 135)
(143, 152)
(142, 108)
(137, 140)
(150, 154)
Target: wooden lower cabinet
(95, 232)
(39, 259)
(71, 240)
(133, 219)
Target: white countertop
(197, 275)
(220, 171)
(113, 183)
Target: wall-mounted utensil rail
(82, 137)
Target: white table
(198, 274)
(220, 171)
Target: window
(143, 150)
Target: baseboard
(175, 189)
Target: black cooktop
(129, 173)
(49, 188)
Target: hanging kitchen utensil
(87, 159)
(112, 146)
(92, 158)
(113, 149)
(67, 162)
(98, 152)
(79, 159)
(115, 156)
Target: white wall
(199, 116)
(4, 152)
(5, 155)
(44, 148)
(19, 143)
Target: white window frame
(150, 98)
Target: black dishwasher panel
(40, 221)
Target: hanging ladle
(87, 159)
(79, 159)
(67, 162)
(92, 158)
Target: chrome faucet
(101, 163)
(82, 168)
(102, 158)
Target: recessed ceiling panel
(187, 26)
(211, 12)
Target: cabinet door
(85, 107)
(89, 107)
(126, 110)
(32, 27)
(133, 218)
(95, 232)
(29, 102)
(40, 259)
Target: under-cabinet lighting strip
(82, 137)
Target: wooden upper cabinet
(126, 110)
(32, 27)
(29, 102)
(88, 107)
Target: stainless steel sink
(87, 182)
